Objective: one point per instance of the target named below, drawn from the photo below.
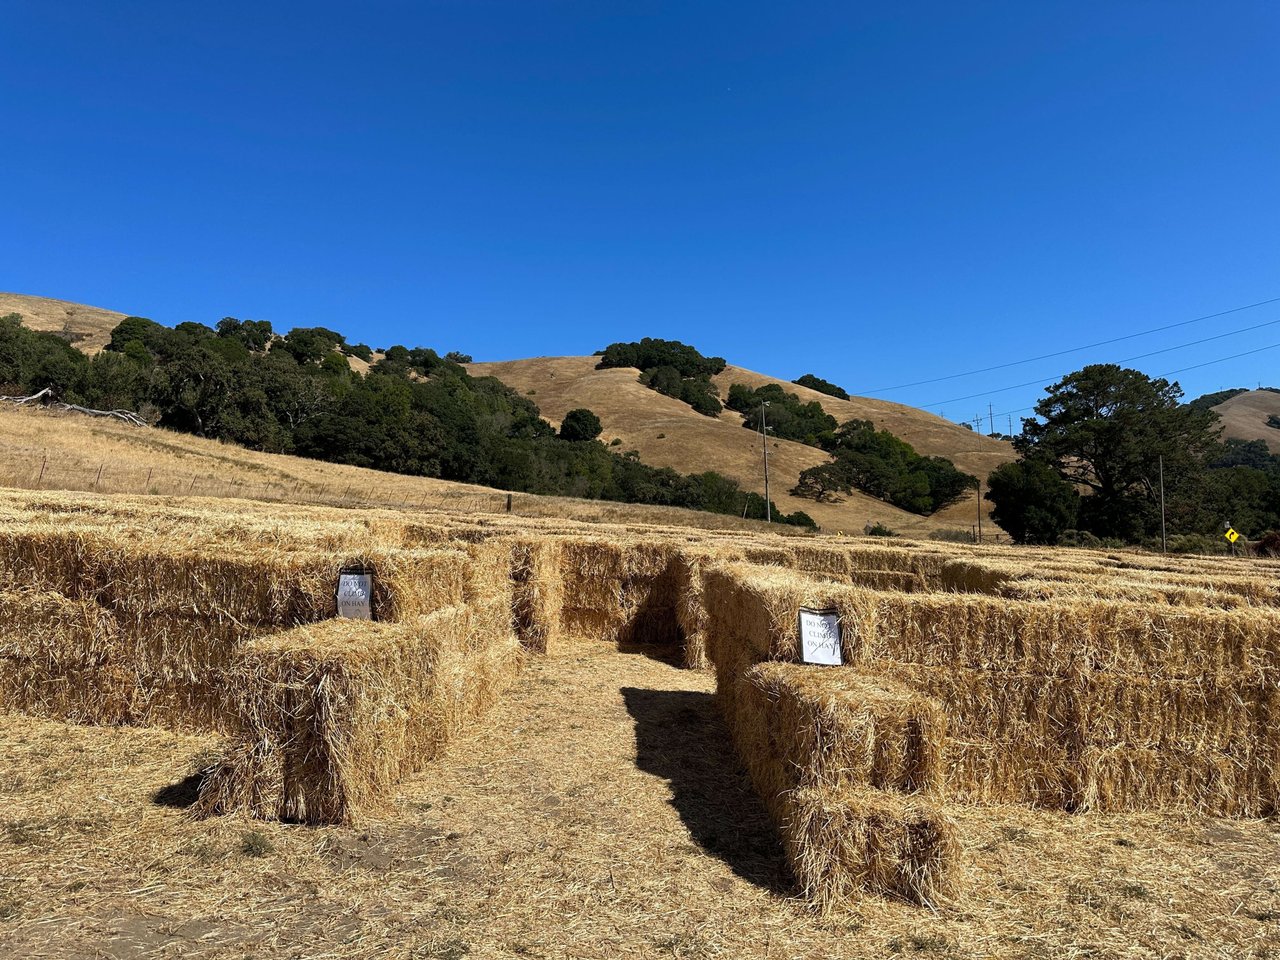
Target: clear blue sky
(874, 193)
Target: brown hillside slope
(50, 451)
(1244, 417)
(89, 328)
(692, 442)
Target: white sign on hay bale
(355, 593)
(820, 637)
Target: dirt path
(598, 812)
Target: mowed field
(669, 433)
(564, 739)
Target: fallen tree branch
(46, 392)
(128, 416)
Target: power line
(1059, 353)
(1141, 356)
(1195, 366)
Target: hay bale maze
(1101, 686)
(1069, 680)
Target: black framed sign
(820, 637)
(355, 593)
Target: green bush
(787, 416)
(670, 367)
(580, 424)
(883, 466)
(822, 386)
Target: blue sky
(878, 194)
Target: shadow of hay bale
(182, 794)
(681, 737)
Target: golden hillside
(89, 328)
(666, 432)
(669, 433)
(55, 451)
(1244, 417)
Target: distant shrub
(458, 357)
(615, 442)
(952, 536)
(360, 350)
(1194, 543)
(878, 529)
(1273, 421)
(1213, 399)
(650, 353)
(822, 386)
(1078, 538)
(580, 424)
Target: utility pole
(979, 511)
(991, 419)
(1011, 424)
(1164, 542)
(764, 443)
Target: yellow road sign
(1231, 535)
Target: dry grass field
(569, 739)
(40, 450)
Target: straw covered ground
(572, 823)
(1027, 753)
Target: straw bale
(337, 712)
(846, 842)
(589, 624)
(1142, 778)
(537, 592)
(757, 606)
(772, 556)
(903, 581)
(826, 561)
(488, 588)
(249, 585)
(593, 571)
(690, 601)
(1064, 742)
(100, 694)
(1183, 596)
(839, 727)
(45, 625)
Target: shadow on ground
(681, 737)
(180, 795)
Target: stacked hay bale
(619, 591)
(333, 714)
(160, 623)
(1074, 705)
(849, 764)
(537, 592)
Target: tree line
(414, 412)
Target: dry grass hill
(664, 431)
(1244, 417)
(89, 328)
(49, 451)
(669, 433)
